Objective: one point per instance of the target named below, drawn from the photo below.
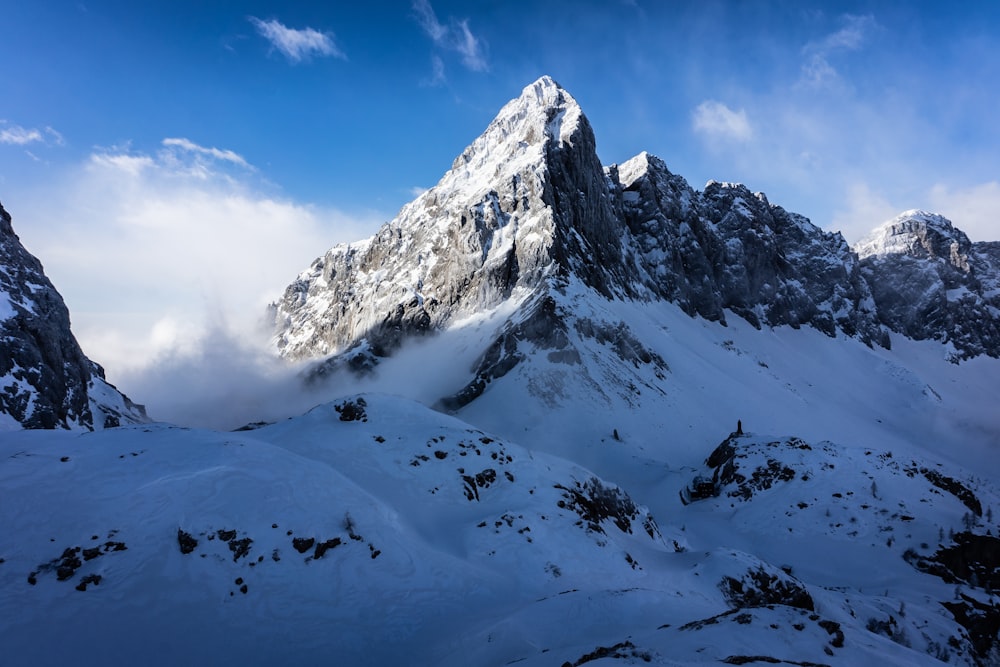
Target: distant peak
(639, 166)
(921, 216)
(916, 233)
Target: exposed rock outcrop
(45, 379)
(931, 282)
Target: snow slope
(375, 531)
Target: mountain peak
(543, 113)
(930, 281)
(918, 234)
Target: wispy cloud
(470, 48)
(817, 70)
(974, 209)
(716, 121)
(215, 153)
(862, 209)
(455, 36)
(21, 136)
(438, 76)
(297, 44)
(429, 22)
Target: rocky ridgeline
(727, 248)
(46, 381)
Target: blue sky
(175, 164)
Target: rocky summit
(46, 381)
(931, 282)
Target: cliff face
(44, 372)
(46, 381)
(728, 249)
(931, 282)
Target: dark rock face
(729, 249)
(742, 481)
(930, 281)
(759, 587)
(43, 372)
(596, 503)
(527, 201)
(45, 379)
(971, 560)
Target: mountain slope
(499, 223)
(375, 531)
(729, 249)
(45, 379)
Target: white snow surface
(426, 568)
(444, 570)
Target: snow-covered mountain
(607, 352)
(592, 297)
(45, 379)
(528, 207)
(618, 318)
(931, 282)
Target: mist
(225, 379)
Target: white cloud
(54, 137)
(817, 70)
(152, 251)
(429, 22)
(862, 210)
(17, 135)
(470, 48)
(298, 45)
(133, 165)
(22, 136)
(224, 155)
(974, 209)
(416, 190)
(437, 71)
(717, 121)
(456, 36)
